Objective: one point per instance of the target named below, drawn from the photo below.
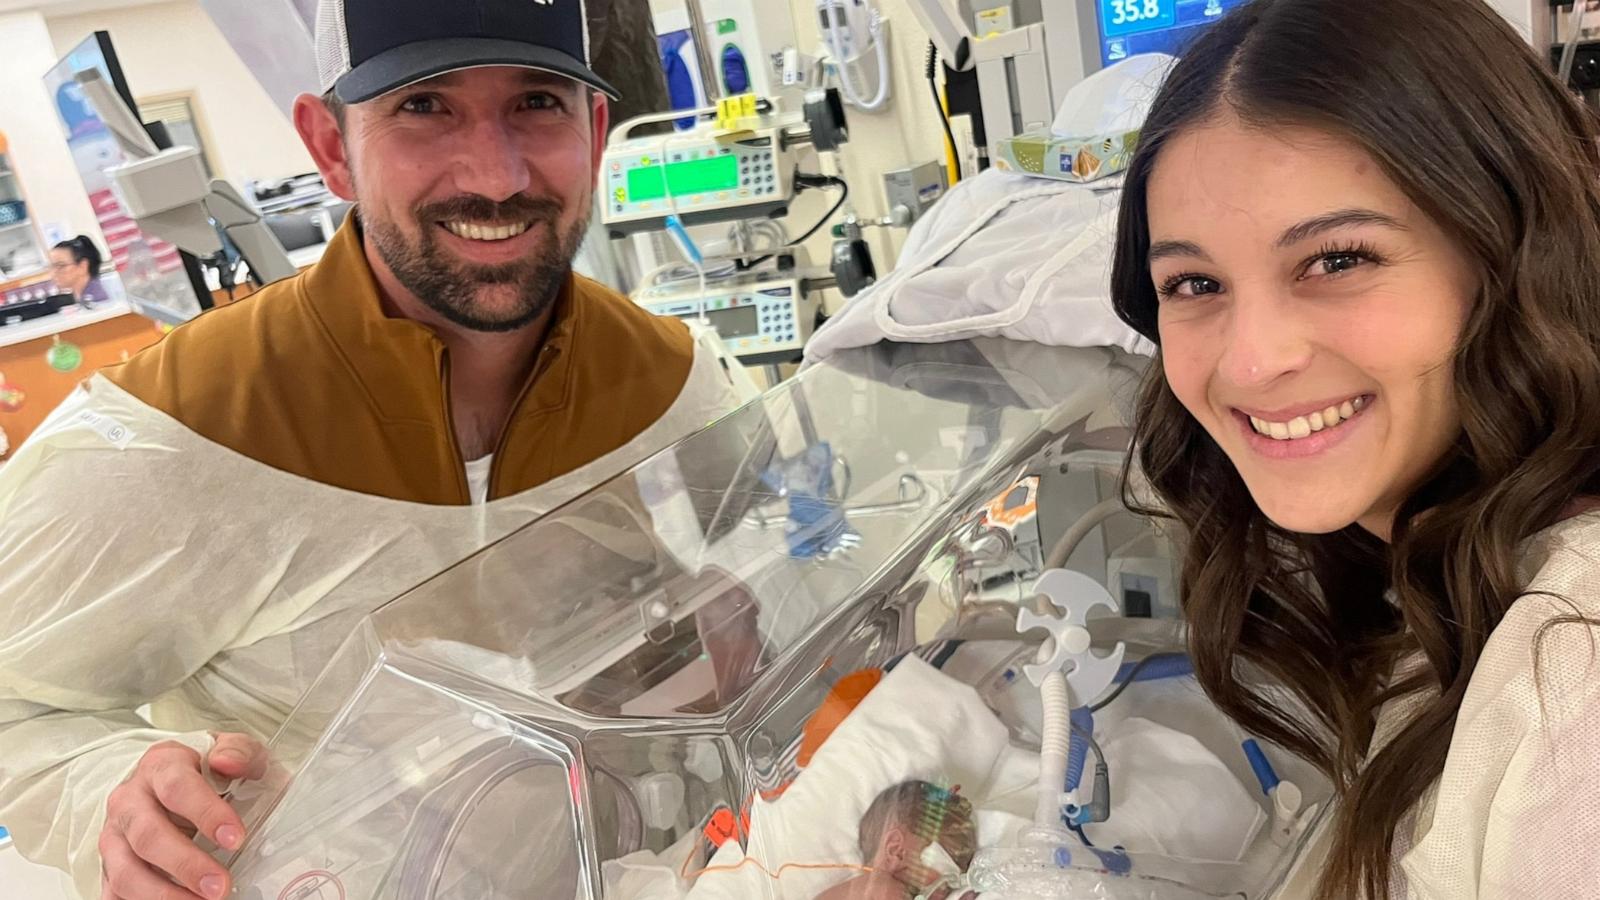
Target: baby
(913, 836)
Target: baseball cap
(367, 48)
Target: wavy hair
(1465, 118)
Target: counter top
(66, 320)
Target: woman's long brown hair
(1471, 124)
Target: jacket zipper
(450, 426)
(539, 369)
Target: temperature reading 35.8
(1126, 12)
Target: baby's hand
(947, 893)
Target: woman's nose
(1262, 342)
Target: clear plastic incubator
(886, 632)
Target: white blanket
(955, 741)
(1009, 255)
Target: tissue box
(1079, 160)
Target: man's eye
(542, 100)
(422, 104)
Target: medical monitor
(1130, 27)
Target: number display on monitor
(734, 323)
(1131, 27)
(1120, 17)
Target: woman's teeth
(1306, 426)
(473, 231)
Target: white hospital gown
(1516, 812)
(140, 563)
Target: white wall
(28, 118)
(904, 133)
(1523, 14)
(174, 47)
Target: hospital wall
(906, 132)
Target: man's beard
(451, 288)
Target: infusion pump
(698, 177)
(763, 319)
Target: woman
(1366, 235)
(75, 264)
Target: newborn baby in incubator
(914, 836)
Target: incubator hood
(829, 644)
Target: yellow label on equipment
(736, 113)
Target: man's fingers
(184, 792)
(183, 825)
(129, 878)
(238, 756)
(152, 837)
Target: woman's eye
(1334, 262)
(1190, 286)
(1339, 263)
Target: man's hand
(147, 848)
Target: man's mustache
(479, 209)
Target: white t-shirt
(478, 479)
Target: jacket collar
(388, 355)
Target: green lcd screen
(697, 176)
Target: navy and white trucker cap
(367, 48)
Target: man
(914, 836)
(198, 529)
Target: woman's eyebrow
(1343, 218)
(1162, 249)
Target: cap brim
(406, 65)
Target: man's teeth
(1306, 426)
(473, 231)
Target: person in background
(75, 266)
(199, 528)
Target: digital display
(1131, 27)
(744, 321)
(1119, 17)
(696, 176)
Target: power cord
(938, 105)
(1133, 675)
(1099, 807)
(804, 182)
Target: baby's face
(937, 861)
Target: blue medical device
(1131, 27)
